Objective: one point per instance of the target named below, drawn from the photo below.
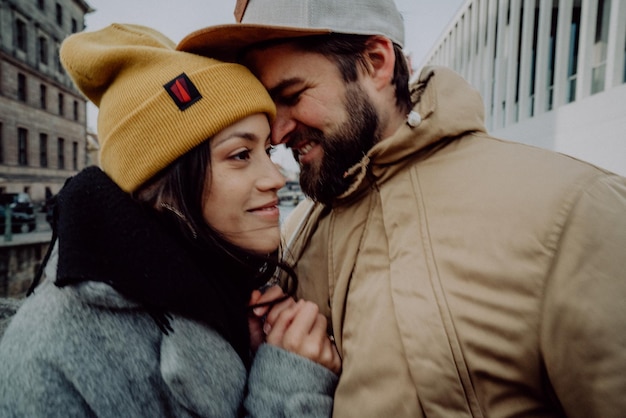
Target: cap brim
(225, 42)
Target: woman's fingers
(319, 347)
(301, 329)
(261, 302)
(300, 336)
(275, 311)
(331, 359)
(278, 320)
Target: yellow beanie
(155, 103)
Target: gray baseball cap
(264, 20)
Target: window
(43, 50)
(1, 144)
(552, 45)
(624, 77)
(43, 96)
(22, 146)
(21, 40)
(21, 87)
(61, 104)
(74, 26)
(75, 155)
(58, 60)
(486, 31)
(59, 14)
(533, 64)
(60, 153)
(520, 36)
(574, 39)
(41, 4)
(43, 150)
(75, 110)
(598, 71)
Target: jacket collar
(448, 107)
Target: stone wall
(18, 266)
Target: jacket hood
(93, 293)
(438, 93)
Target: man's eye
(290, 99)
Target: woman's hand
(300, 328)
(261, 303)
(294, 326)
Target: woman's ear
(380, 60)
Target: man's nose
(283, 125)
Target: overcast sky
(425, 21)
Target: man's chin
(322, 189)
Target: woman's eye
(242, 155)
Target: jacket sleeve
(583, 334)
(283, 384)
(33, 382)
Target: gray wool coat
(86, 351)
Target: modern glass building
(552, 73)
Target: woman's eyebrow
(245, 135)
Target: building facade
(552, 73)
(43, 129)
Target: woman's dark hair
(347, 51)
(180, 188)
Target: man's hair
(347, 51)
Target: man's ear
(380, 60)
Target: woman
(143, 311)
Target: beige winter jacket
(470, 276)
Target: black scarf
(106, 236)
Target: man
(464, 275)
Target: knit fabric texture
(155, 103)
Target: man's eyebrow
(277, 90)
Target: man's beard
(323, 181)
